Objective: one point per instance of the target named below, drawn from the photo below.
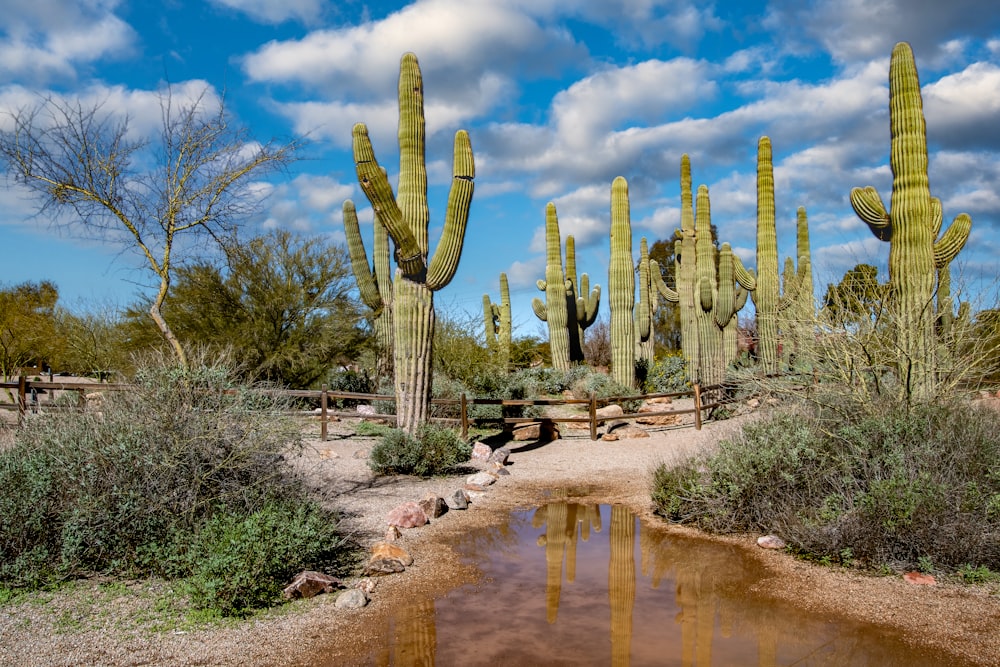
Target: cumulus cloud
(275, 11)
(45, 40)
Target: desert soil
(95, 624)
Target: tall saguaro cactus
(406, 217)
(911, 227)
(585, 302)
(797, 321)
(621, 287)
(685, 254)
(497, 320)
(767, 297)
(374, 283)
(558, 294)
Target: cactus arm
(643, 318)
(412, 195)
(953, 240)
(586, 306)
(746, 279)
(657, 279)
(375, 185)
(868, 206)
(540, 310)
(359, 259)
(449, 251)
(489, 320)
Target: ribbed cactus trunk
(497, 320)
(910, 227)
(685, 254)
(406, 217)
(711, 355)
(805, 306)
(766, 297)
(646, 308)
(558, 294)
(621, 287)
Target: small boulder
(609, 411)
(770, 542)
(460, 500)
(407, 515)
(525, 432)
(308, 584)
(352, 598)
(380, 566)
(387, 550)
(366, 410)
(626, 431)
(609, 437)
(481, 452)
(656, 420)
(499, 456)
(433, 506)
(481, 479)
(392, 534)
(919, 579)
(366, 585)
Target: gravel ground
(102, 623)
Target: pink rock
(919, 579)
(770, 542)
(407, 515)
(481, 451)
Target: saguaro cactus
(685, 254)
(767, 296)
(406, 217)
(374, 283)
(621, 287)
(585, 305)
(497, 320)
(558, 294)
(796, 322)
(910, 227)
(647, 306)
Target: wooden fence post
(593, 416)
(697, 406)
(322, 414)
(465, 417)
(22, 400)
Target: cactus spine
(621, 287)
(497, 320)
(374, 283)
(406, 217)
(911, 226)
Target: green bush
(350, 381)
(888, 485)
(603, 385)
(668, 375)
(434, 451)
(121, 491)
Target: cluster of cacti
(621, 287)
(795, 323)
(566, 313)
(720, 291)
(374, 283)
(406, 216)
(911, 227)
(497, 320)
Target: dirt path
(64, 631)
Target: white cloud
(276, 11)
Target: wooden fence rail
(28, 392)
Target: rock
(392, 534)
(656, 420)
(433, 506)
(770, 542)
(481, 452)
(499, 472)
(481, 479)
(473, 489)
(366, 585)
(624, 430)
(753, 403)
(919, 579)
(352, 598)
(609, 411)
(307, 584)
(499, 456)
(366, 410)
(659, 400)
(387, 550)
(609, 437)
(460, 500)
(407, 515)
(361, 454)
(380, 566)
(328, 454)
(546, 431)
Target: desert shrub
(121, 491)
(352, 381)
(433, 451)
(888, 485)
(667, 375)
(603, 385)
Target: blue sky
(558, 97)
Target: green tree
(858, 299)
(667, 324)
(162, 195)
(282, 305)
(95, 340)
(27, 325)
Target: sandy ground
(90, 627)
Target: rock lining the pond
(770, 542)
(309, 584)
(408, 515)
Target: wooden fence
(32, 395)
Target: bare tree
(191, 182)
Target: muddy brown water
(573, 584)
